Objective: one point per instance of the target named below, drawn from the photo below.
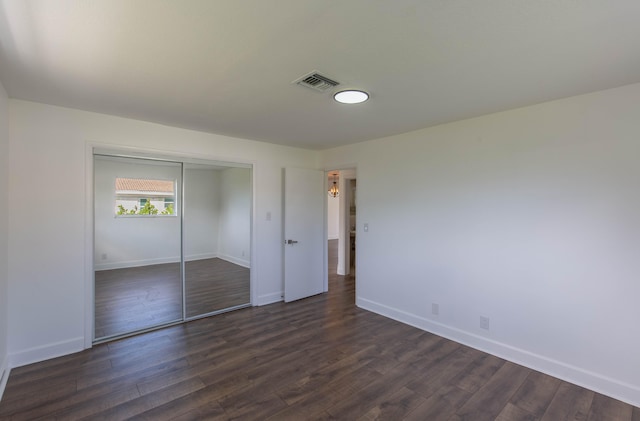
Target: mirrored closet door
(217, 238)
(137, 250)
(172, 242)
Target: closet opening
(172, 241)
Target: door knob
(291, 242)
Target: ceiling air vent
(316, 81)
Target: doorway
(341, 225)
(172, 241)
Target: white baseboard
(161, 260)
(564, 371)
(274, 297)
(46, 352)
(200, 256)
(236, 260)
(136, 263)
(4, 375)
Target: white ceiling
(226, 66)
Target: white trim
(46, 352)
(235, 260)
(160, 260)
(274, 297)
(576, 375)
(325, 230)
(253, 246)
(168, 155)
(200, 256)
(137, 263)
(89, 249)
(4, 375)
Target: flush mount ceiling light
(351, 97)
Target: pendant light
(333, 191)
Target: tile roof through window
(144, 185)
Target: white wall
(528, 217)
(4, 221)
(235, 213)
(127, 241)
(48, 253)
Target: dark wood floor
(318, 358)
(131, 299)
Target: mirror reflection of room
(149, 238)
(217, 237)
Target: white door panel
(303, 233)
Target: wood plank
(515, 413)
(251, 406)
(136, 406)
(211, 411)
(441, 405)
(86, 407)
(439, 376)
(314, 404)
(14, 402)
(394, 407)
(571, 402)
(490, 399)
(374, 394)
(478, 373)
(536, 393)
(604, 408)
(306, 386)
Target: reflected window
(145, 197)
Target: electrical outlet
(484, 322)
(104, 256)
(435, 309)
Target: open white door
(304, 233)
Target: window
(142, 196)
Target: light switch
(366, 227)
(268, 216)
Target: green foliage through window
(145, 196)
(147, 209)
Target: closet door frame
(93, 149)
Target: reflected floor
(131, 299)
(215, 284)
